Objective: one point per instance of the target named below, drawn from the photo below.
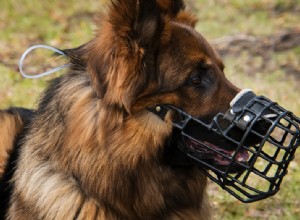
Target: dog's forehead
(192, 45)
(184, 51)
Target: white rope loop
(23, 57)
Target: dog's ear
(174, 9)
(171, 7)
(121, 58)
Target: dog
(92, 149)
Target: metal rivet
(247, 118)
(158, 108)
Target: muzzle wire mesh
(267, 133)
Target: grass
(69, 23)
(258, 17)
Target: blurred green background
(259, 41)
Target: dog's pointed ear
(136, 20)
(121, 60)
(171, 7)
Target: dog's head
(148, 53)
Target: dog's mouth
(213, 151)
(216, 154)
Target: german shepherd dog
(92, 149)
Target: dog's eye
(196, 80)
(200, 79)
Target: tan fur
(10, 126)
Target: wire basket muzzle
(259, 141)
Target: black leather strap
(160, 110)
(237, 109)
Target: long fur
(12, 120)
(92, 149)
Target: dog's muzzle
(260, 140)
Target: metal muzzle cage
(267, 133)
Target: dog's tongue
(215, 153)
